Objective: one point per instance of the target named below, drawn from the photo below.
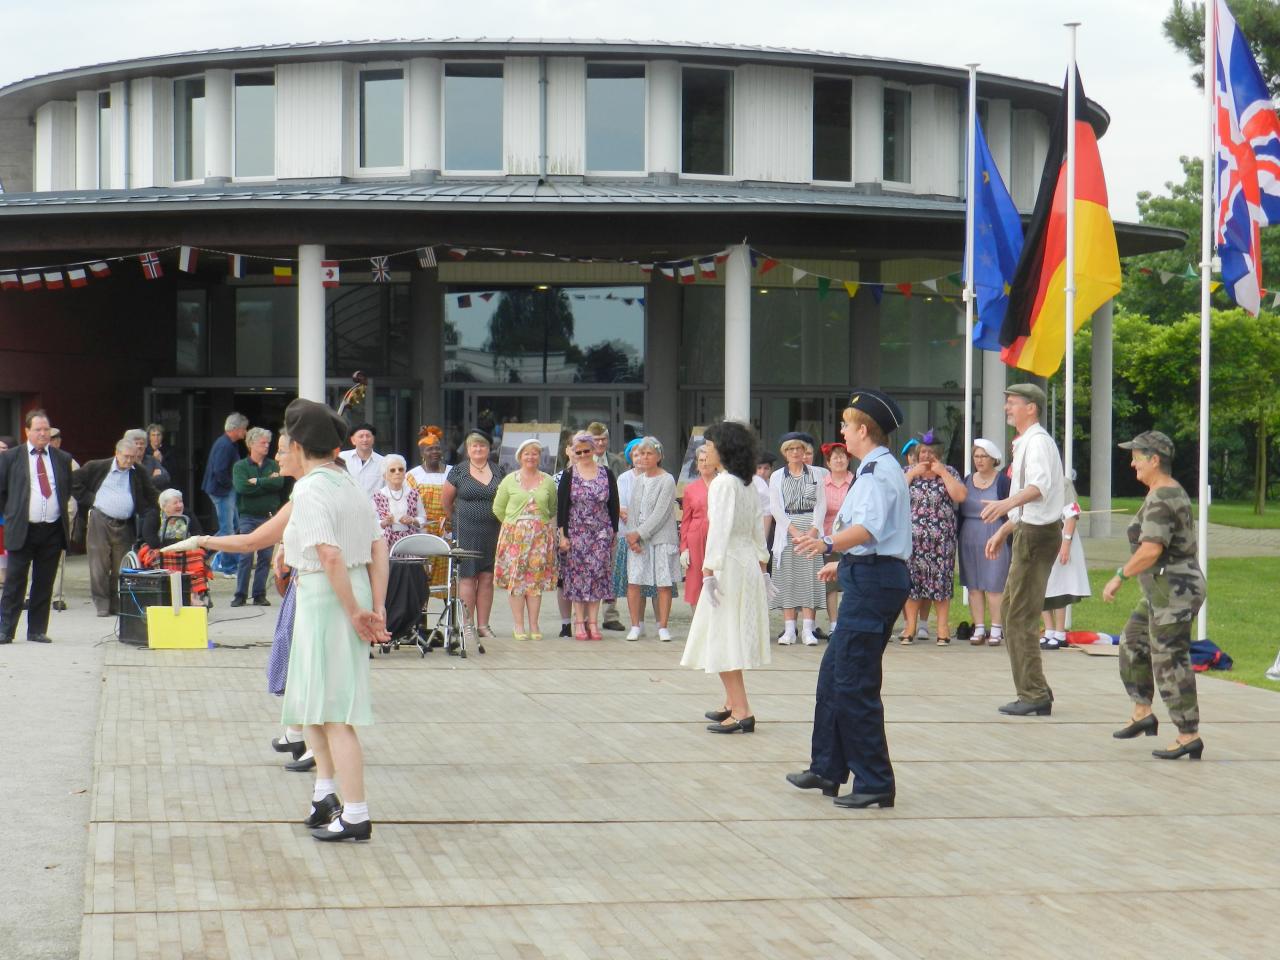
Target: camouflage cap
(1027, 391)
(1151, 441)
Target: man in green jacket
(257, 483)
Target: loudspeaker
(137, 590)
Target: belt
(800, 513)
(111, 519)
(871, 558)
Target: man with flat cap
(1033, 512)
(872, 540)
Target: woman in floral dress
(936, 492)
(587, 521)
(525, 564)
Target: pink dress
(693, 537)
(835, 494)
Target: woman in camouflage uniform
(1156, 648)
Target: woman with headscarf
(468, 503)
(587, 521)
(798, 506)
(982, 577)
(693, 525)
(525, 555)
(936, 492)
(396, 504)
(654, 560)
(835, 487)
(427, 480)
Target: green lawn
(1244, 610)
(1231, 513)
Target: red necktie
(42, 475)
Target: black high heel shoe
(745, 725)
(1148, 725)
(1194, 749)
(349, 831)
(323, 812)
(718, 715)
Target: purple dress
(933, 539)
(588, 566)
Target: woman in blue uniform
(872, 541)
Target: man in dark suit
(117, 493)
(35, 483)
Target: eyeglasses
(395, 469)
(582, 453)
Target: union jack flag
(381, 272)
(1247, 186)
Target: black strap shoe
(323, 812)
(304, 764)
(1194, 750)
(745, 725)
(349, 831)
(296, 747)
(718, 715)
(1148, 725)
(808, 780)
(857, 801)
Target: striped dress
(796, 577)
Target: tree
(1259, 21)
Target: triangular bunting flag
(824, 287)
(1192, 273)
(930, 285)
(797, 274)
(851, 288)
(1213, 285)
(904, 289)
(1165, 276)
(486, 297)
(767, 264)
(877, 291)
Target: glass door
(175, 410)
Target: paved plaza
(562, 799)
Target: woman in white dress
(730, 630)
(1069, 578)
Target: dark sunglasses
(582, 453)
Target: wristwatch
(1067, 537)
(1120, 573)
(828, 544)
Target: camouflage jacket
(1174, 586)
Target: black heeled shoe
(858, 801)
(745, 725)
(1194, 749)
(349, 831)
(323, 811)
(296, 747)
(718, 715)
(1149, 725)
(808, 780)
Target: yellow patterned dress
(430, 488)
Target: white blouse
(329, 506)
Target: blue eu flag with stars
(997, 243)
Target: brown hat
(314, 426)
(1027, 391)
(1151, 441)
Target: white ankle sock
(790, 628)
(1061, 635)
(833, 626)
(322, 789)
(808, 626)
(355, 812)
(980, 631)
(293, 735)
(997, 630)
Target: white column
(1100, 439)
(664, 117)
(218, 91)
(424, 116)
(310, 323)
(994, 380)
(737, 334)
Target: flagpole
(969, 293)
(1206, 277)
(1068, 398)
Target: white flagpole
(1068, 391)
(970, 296)
(1206, 276)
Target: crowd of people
(870, 546)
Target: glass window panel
(897, 135)
(832, 129)
(706, 125)
(192, 333)
(104, 141)
(615, 117)
(188, 129)
(796, 337)
(382, 118)
(921, 343)
(552, 335)
(255, 125)
(266, 331)
(473, 116)
(368, 328)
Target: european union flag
(997, 244)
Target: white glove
(711, 590)
(770, 591)
(191, 543)
(684, 560)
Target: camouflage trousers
(1159, 655)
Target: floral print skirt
(526, 557)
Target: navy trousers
(848, 720)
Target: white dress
(735, 634)
(1070, 579)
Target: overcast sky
(1125, 61)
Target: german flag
(1034, 330)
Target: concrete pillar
(994, 380)
(218, 134)
(426, 311)
(310, 323)
(1100, 445)
(737, 334)
(664, 119)
(664, 316)
(865, 342)
(424, 87)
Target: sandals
(593, 632)
(580, 631)
(943, 641)
(906, 640)
(978, 640)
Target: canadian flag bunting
(187, 259)
(151, 268)
(329, 273)
(78, 277)
(53, 280)
(31, 281)
(99, 269)
(9, 281)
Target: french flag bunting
(53, 280)
(235, 265)
(667, 270)
(78, 277)
(9, 281)
(687, 274)
(707, 267)
(151, 268)
(329, 273)
(646, 269)
(100, 270)
(187, 259)
(31, 281)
